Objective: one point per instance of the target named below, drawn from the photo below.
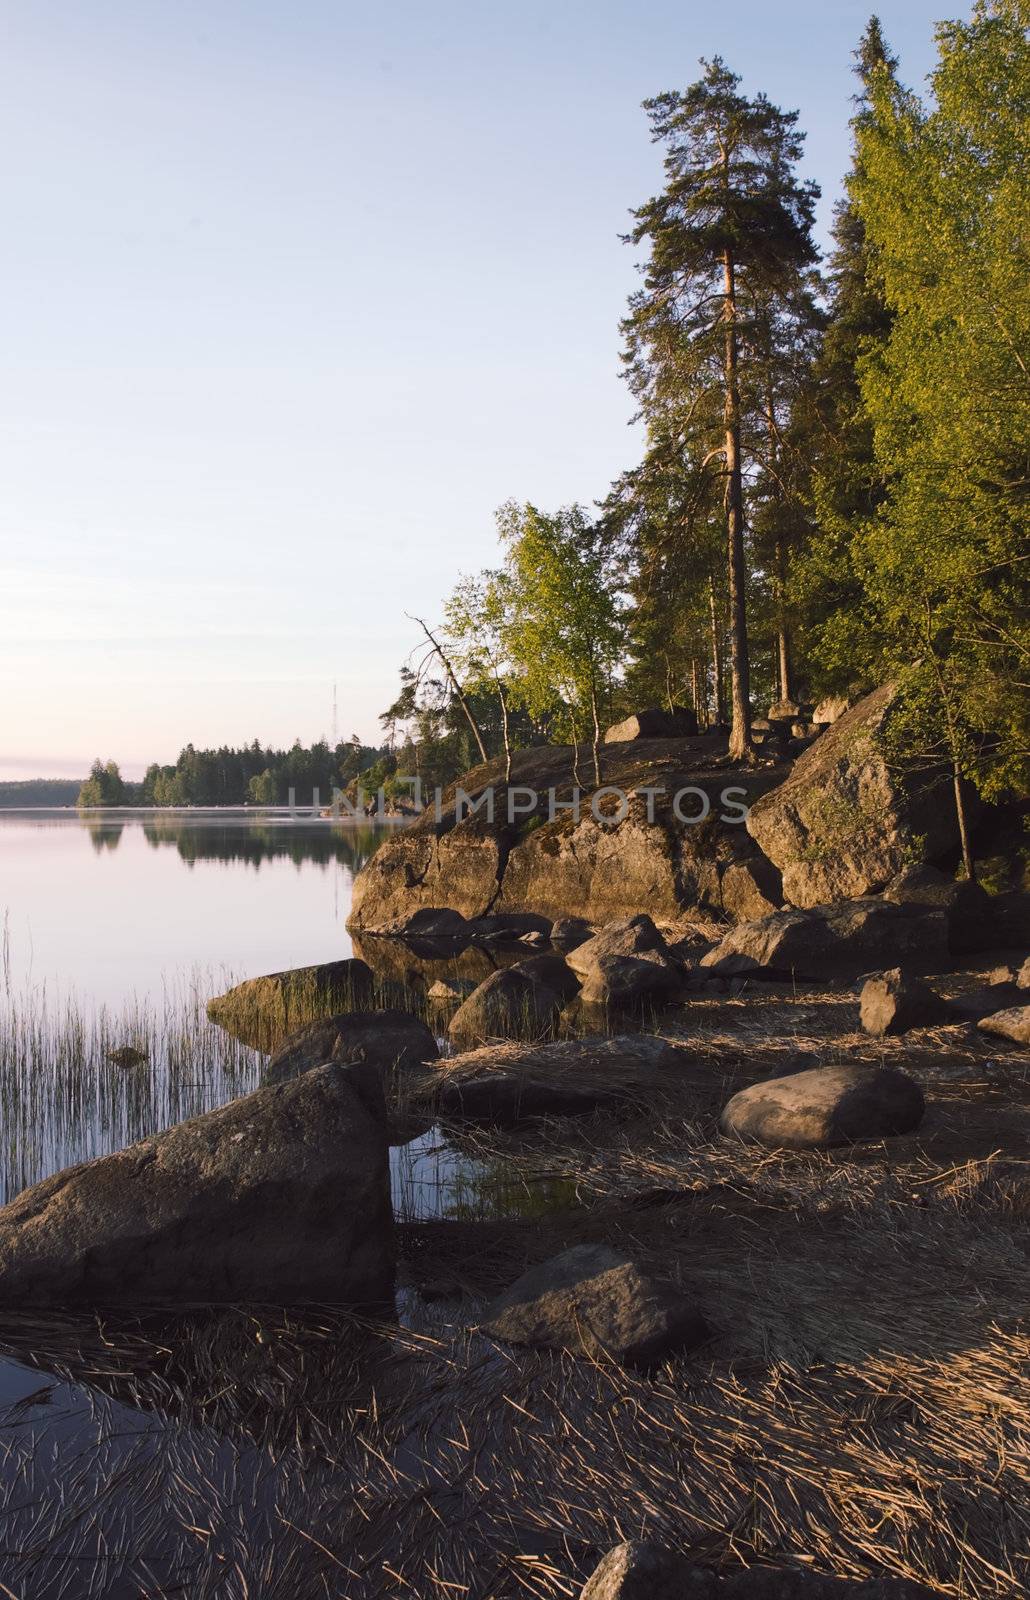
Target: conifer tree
(730, 230)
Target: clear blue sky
(294, 296)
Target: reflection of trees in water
(255, 842)
(104, 835)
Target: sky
(295, 295)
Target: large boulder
(654, 724)
(281, 1196)
(972, 924)
(262, 1012)
(845, 823)
(1012, 1024)
(458, 869)
(522, 851)
(894, 1001)
(832, 942)
(625, 964)
(388, 1039)
(640, 1570)
(651, 858)
(826, 1106)
(596, 1301)
(505, 1085)
(510, 1004)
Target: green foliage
(563, 629)
(715, 346)
(944, 197)
(103, 787)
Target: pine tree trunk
(786, 676)
(713, 612)
(740, 729)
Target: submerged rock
(450, 991)
(596, 1301)
(844, 823)
(264, 1011)
(386, 1039)
(624, 964)
(825, 1107)
(833, 941)
(127, 1055)
(895, 1001)
(1012, 1024)
(281, 1196)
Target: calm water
(117, 904)
(116, 930)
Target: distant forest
(39, 792)
(252, 775)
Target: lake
(116, 928)
(117, 905)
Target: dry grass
(861, 1408)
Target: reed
(62, 1098)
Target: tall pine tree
(730, 231)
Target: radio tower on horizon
(335, 730)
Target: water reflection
(257, 841)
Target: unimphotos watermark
(609, 805)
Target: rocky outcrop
(389, 1040)
(895, 1001)
(825, 1107)
(654, 724)
(844, 823)
(549, 863)
(832, 942)
(639, 1570)
(504, 1085)
(279, 1197)
(601, 872)
(262, 1012)
(625, 964)
(1012, 1024)
(596, 1301)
